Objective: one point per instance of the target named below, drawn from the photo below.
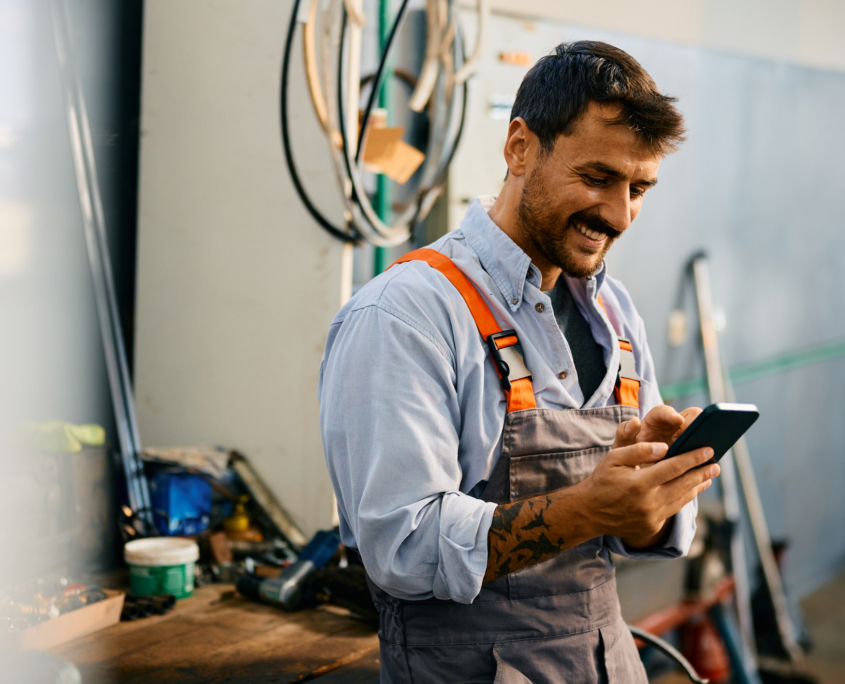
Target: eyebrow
(600, 167)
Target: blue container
(182, 503)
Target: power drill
(288, 589)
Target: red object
(704, 648)
(674, 616)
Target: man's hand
(621, 497)
(633, 493)
(661, 424)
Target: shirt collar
(505, 262)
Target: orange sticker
(523, 59)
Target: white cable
(368, 223)
(355, 12)
(428, 75)
(358, 207)
(482, 31)
(312, 74)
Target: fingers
(638, 454)
(660, 423)
(689, 415)
(672, 468)
(626, 433)
(662, 416)
(685, 498)
(691, 480)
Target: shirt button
(540, 307)
(562, 375)
(529, 273)
(515, 300)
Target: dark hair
(557, 90)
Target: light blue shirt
(412, 411)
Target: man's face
(578, 199)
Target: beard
(542, 227)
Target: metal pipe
(728, 479)
(763, 544)
(94, 227)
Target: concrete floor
(824, 612)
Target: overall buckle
(510, 360)
(627, 363)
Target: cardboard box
(74, 624)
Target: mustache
(593, 222)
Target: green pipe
(759, 369)
(384, 188)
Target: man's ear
(519, 140)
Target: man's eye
(637, 192)
(595, 182)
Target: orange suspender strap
(627, 389)
(503, 345)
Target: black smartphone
(719, 427)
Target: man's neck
(505, 214)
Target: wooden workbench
(217, 636)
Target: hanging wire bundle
(440, 90)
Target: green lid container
(161, 565)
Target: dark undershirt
(587, 354)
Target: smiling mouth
(592, 234)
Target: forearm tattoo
(520, 536)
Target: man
(489, 408)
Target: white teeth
(593, 235)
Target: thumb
(639, 454)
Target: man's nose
(617, 209)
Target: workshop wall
(237, 284)
(806, 32)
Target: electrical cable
(385, 236)
(309, 55)
(379, 77)
(432, 191)
(670, 651)
(428, 75)
(294, 174)
(431, 195)
(359, 197)
(471, 64)
(362, 220)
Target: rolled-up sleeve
(391, 426)
(676, 544)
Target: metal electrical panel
(512, 46)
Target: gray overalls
(553, 622)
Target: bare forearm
(533, 530)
